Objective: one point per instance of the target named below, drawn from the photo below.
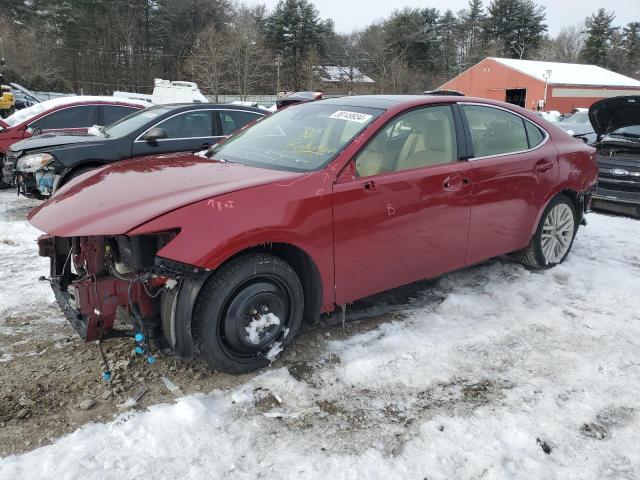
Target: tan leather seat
(430, 143)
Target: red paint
(11, 135)
(411, 225)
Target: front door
(404, 213)
(513, 169)
(186, 131)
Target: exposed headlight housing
(34, 162)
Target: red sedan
(315, 207)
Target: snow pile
(20, 265)
(492, 372)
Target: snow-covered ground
(489, 373)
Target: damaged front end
(95, 279)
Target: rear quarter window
(534, 134)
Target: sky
(350, 15)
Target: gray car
(579, 126)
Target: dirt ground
(53, 386)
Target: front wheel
(554, 236)
(247, 313)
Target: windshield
(579, 117)
(133, 122)
(299, 138)
(632, 131)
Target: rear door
(404, 215)
(513, 169)
(186, 131)
(232, 120)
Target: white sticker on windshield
(351, 116)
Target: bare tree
(208, 63)
(248, 58)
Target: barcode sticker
(351, 116)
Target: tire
(549, 247)
(76, 173)
(251, 288)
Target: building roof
(336, 73)
(569, 73)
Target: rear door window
(83, 116)
(113, 113)
(232, 120)
(495, 131)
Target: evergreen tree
(600, 32)
(518, 25)
(448, 26)
(472, 45)
(294, 30)
(631, 49)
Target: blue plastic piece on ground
(139, 337)
(139, 350)
(151, 359)
(106, 376)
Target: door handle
(543, 165)
(369, 185)
(455, 182)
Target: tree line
(98, 46)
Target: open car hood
(117, 198)
(613, 113)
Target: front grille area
(618, 178)
(9, 166)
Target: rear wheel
(554, 237)
(247, 313)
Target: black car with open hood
(617, 122)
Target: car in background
(578, 125)
(617, 122)
(323, 203)
(39, 165)
(72, 114)
(552, 116)
(24, 97)
(298, 97)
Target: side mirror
(34, 131)
(155, 134)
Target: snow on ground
(478, 375)
(20, 266)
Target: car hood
(55, 140)
(117, 198)
(576, 128)
(611, 114)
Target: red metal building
(527, 83)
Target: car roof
(383, 102)
(198, 106)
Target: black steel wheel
(247, 313)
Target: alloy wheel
(557, 233)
